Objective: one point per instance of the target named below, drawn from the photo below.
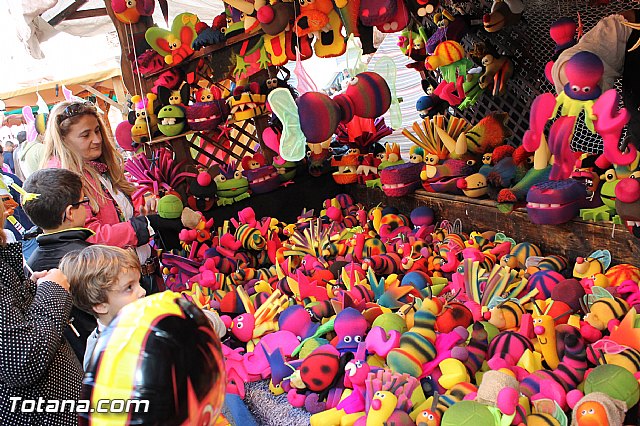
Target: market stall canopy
(35, 21)
(51, 92)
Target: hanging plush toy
(174, 45)
(504, 13)
(247, 102)
(143, 119)
(232, 185)
(262, 177)
(321, 18)
(498, 70)
(130, 11)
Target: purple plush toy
(400, 180)
(350, 327)
(555, 201)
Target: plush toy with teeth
(261, 176)
(247, 102)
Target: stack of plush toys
(368, 316)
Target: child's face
(78, 215)
(126, 290)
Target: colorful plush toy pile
(373, 317)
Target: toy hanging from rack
(129, 12)
(581, 95)
(174, 45)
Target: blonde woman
(76, 139)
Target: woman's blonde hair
(61, 118)
(94, 270)
(3, 236)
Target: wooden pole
(132, 43)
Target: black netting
(530, 47)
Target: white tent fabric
(84, 47)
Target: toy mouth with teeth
(400, 180)
(247, 105)
(347, 167)
(628, 204)
(171, 120)
(368, 169)
(555, 201)
(206, 115)
(263, 179)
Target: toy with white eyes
(584, 71)
(232, 185)
(251, 326)
(208, 94)
(416, 154)
(350, 327)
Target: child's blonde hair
(93, 271)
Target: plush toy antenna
(567, 312)
(537, 308)
(546, 311)
(434, 404)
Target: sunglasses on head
(76, 108)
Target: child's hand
(56, 276)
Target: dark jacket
(8, 159)
(51, 249)
(35, 359)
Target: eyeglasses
(76, 108)
(77, 204)
(85, 200)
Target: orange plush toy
(315, 17)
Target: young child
(102, 280)
(35, 359)
(59, 210)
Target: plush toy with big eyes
(232, 185)
(351, 327)
(130, 11)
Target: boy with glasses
(56, 203)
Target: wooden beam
(103, 97)
(69, 10)
(119, 89)
(89, 13)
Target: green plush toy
(469, 413)
(170, 207)
(615, 381)
(390, 321)
(171, 120)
